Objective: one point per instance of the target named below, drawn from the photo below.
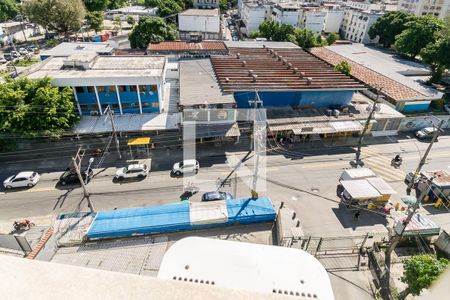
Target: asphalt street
(304, 181)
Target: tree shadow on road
(62, 198)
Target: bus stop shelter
(139, 144)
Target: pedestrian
(356, 216)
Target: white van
(186, 166)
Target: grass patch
(26, 62)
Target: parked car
(186, 166)
(71, 177)
(132, 171)
(31, 48)
(8, 56)
(23, 51)
(426, 133)
(214, 196)
(15, 54)
(22, 179)
(447, 108)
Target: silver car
(132, 171)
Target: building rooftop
(269, 69)
(186, 46)
(200, 12)
(278, 270)
(259, 44)
(67, 49)
(198, 84)
(380, 69)
(90, 65)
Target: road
(316, 174)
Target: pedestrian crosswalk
(381, 165)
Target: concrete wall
(314, 21)
(199, 23)
(321, 99)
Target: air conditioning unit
(336, 113)
(329, 112)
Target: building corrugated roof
(391, 88)
(269, 69)
(186, 46)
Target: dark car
(71, 177)
(214, 196)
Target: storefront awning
(318, 127)
(139, 141)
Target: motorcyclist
(397, 158)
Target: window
(90, 89)
(111, 88)
(133, 88)
(145, 104)
(84, 107)
(153, 88)
(94, 107)
(100, 89)
(79, 89)
(115, 106)
(121, 88)
(125, 105)
(155, 104)
(142, 88)
(134, 104)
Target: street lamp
(91, 160)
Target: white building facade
(200, 21)
(285, 13)
(312, 19)
(253, 14)
(205, 3)
(356, 25)
(438, 8)
(333, 20)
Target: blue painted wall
(413, 107)
(149, 99)
(322, 99)
(87, 101)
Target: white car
(426, 133)
(132, 171)
(186, 166)
(22, 179)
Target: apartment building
(312, 18)
(439, 8)
(206, 3)
(253, 14)
(356, 24)
(286, 13)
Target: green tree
(149, 30)
(332, 38)
(417, 35)
(303, 37)
(223, 5)
(131, 20)
(167, 7)
(95, 20)
(114, 4)
(8, 10)
(344, 67)
(60, 15)
(30, 108)
(267, 29)
(388, 26)
(420, 271)
(117, 23)
(96, 5)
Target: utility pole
(424, 157)
(77, 164)
(374, 108)
(109, 113)
(255, 141)
(395, 239)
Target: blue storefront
(121, 98)
(319, 99)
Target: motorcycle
(23, 225)
(189, 191)
(396, 163)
